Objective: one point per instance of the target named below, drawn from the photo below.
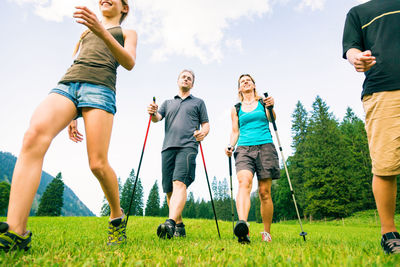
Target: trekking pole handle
(154, 101)
(271, 114)
(230, 164)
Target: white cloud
(234, 44)
(190, 28)
(56, 10)
(193, 28)
(313, 4)
(362, 1)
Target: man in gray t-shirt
(183, 114)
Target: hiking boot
(242, 232)
(117, 230)
(266, 237)
(9, 240)
(167, 229)
(180, 230)
(391, 243)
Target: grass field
(81, 241)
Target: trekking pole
(140, 163)
(230, 176)
(303, 234)
(209, 189)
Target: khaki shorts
(382, 123)
(260, 159)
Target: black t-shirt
(375, 26)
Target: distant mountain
(73, 206)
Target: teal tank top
(254, 127)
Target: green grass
(81, 241)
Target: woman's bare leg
(245, 178)
(49, 118)
(266, 207)
(98, 126)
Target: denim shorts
(178, 164)
(88, 95)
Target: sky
(292, 48)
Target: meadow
(81, 241)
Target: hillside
(73, 206)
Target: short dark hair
(187, 70)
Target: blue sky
(291, 47)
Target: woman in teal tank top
(255, 153)
(87, 90)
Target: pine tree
(299, 125)
(190, 208)
(358, 163)
(153, 202)
(126, 195)
(214, 188)
(204, 210)
(253, 207)
(164, 211)
(295, 163)
(4, 197)
(223, 204)
(282, 198)
(324, 175)
(105, 208)
(52, 199)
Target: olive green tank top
(95, 62)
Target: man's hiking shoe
(167, 229)
(242, 232)
(180, 230)
(117, 231)
(9, 240)
(391, 243)
(266, 237)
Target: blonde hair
(240, 94)
(123, 16)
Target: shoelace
(117, 229)
(266, 236)
(393, 245)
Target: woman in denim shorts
(255, 153)
(88, 90)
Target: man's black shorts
(178, 164)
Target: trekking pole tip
(303, 234)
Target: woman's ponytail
(78, 44)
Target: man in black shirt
(371, 43)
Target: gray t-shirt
(182, 118)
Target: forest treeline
(330, 171)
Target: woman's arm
(73, 132)
(126, 55)
(234, 134)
